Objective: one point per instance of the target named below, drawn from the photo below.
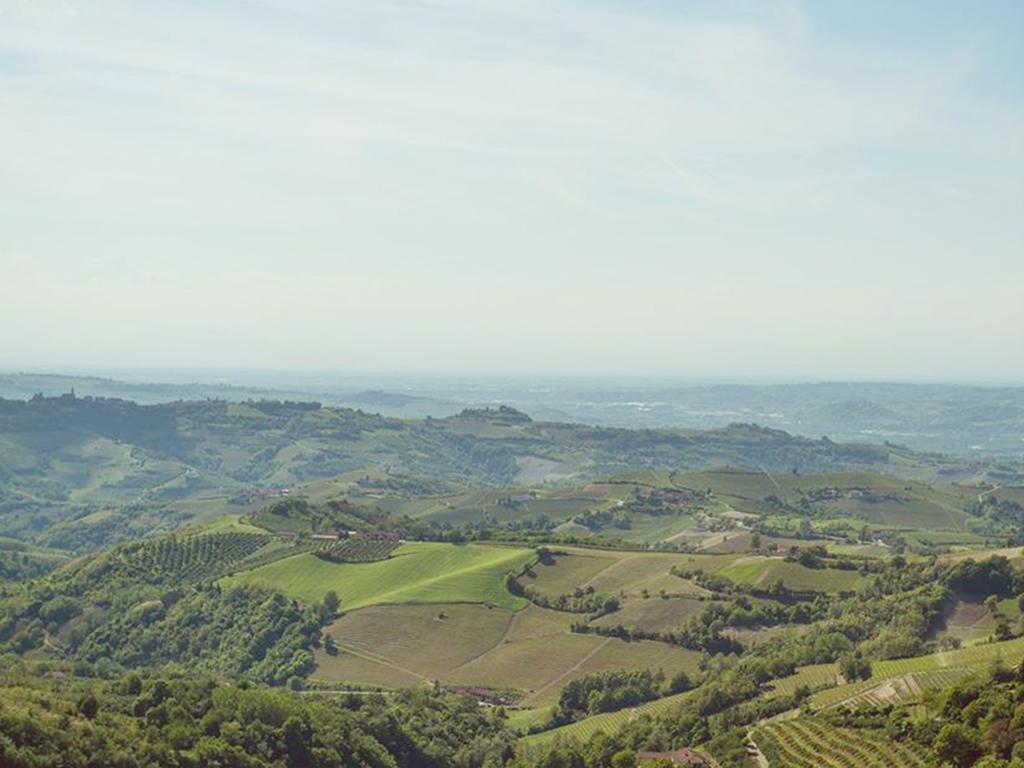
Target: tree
(331, 602)
(680, 682)
(992, 604)
(1003, 631)
(132, 684)
(853, 667)
(625, 758)
(88, 706)
(957, 744)
(330, 647)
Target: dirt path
(719, 537)
(574, 668)
(610, 566)
(983, 494)
(379, 660)
(952, 512)
(769, 476)
(758, 755)
(500, 642)
(676, 536)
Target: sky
(804, 190)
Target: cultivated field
(622, 572)
(609, 722)
(418, 572)
(531, 650)
(416, 642)
(653, 613)
(811, 743)
(761, 572)
(923, 670)
(539, 655)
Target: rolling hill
(66, 458)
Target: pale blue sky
(809, 190)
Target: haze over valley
(511, 384)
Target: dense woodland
(53, 716)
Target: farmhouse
(487, 696)
(681, 756)
(519, 498)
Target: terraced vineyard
(190, 557)
(356, 550)
(922, 672)
(875, 693)
(609, 722)
(1009, 651)
(814, 676)
(903, 679)
(810, 743)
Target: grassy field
(760, 571)
(569, 571)
(531, 650)
(419, 642)
(623, 572)
(635, 572)
(653, 613)
(653, 528)
(1014, 554)
(971, 622)
(418, 572)
(539, 655)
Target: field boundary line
(575, 667)
(500, 642)
(379, 660)
(605, 570)
(446, 576)
(769, 476)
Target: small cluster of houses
(513, 500)
(670, 496)
(336, 535)
(832, 493)
(485, 696)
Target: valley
(715, 590)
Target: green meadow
(418, 572)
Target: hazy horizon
(242, 376)
(727, 192)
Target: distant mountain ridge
(968, 421)
(71, 456)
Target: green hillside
(65, 459)
(417, 572)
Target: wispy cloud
(441, 141)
